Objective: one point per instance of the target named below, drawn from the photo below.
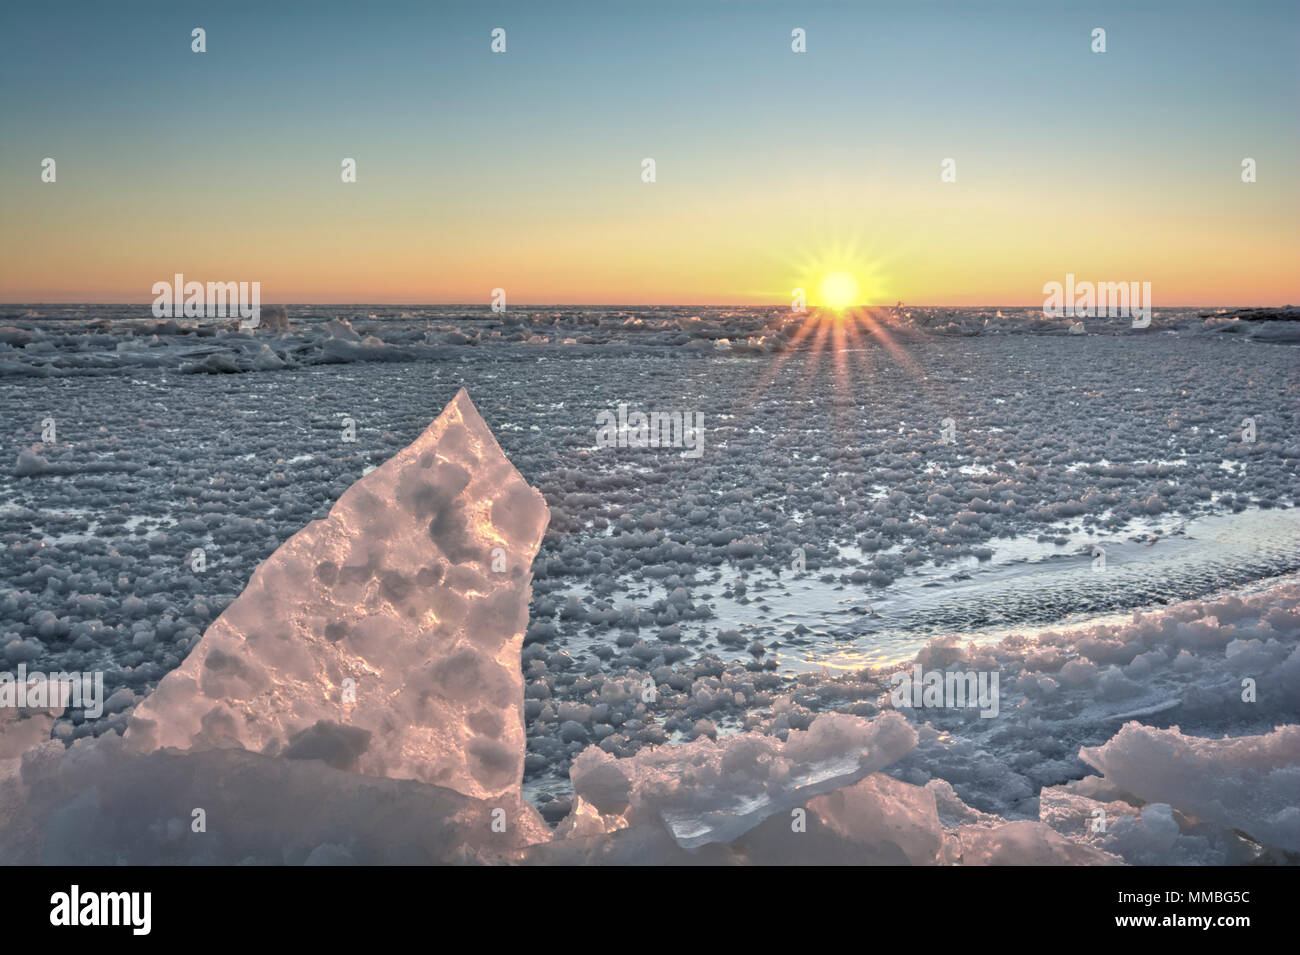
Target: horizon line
(488, 306)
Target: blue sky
(525, 164)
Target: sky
(523, 170)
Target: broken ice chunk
(385, 638)
(1250, 783)
(707, 791)
(876, 821)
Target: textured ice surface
(384, 639)
(649, 561)
(1094, 812)
(1021, 843)
(707, 791)
(877, 821)
(100, 803)
(1169, 797)
(20, 730)
(1063, 691)
(93, 340)
(1250, 783)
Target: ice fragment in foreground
(1248, 783)
(705, 791)
(384, 639)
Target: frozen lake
(944, 485)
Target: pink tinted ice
(384, 639)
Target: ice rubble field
(664, 568)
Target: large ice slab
(384, 639)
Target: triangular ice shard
(415, 589)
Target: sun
(838, 278)
(838, 291)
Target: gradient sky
(522, 170)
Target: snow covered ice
(1120, 691)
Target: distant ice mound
(274, 318)
(384, 639)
